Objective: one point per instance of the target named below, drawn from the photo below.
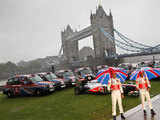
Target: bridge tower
(70, 48)
(102, 45)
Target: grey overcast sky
(30, 29)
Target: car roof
(82, 68)
(61, 71)
(22, 75)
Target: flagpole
(99, 2)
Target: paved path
(137, 113)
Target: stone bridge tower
(102, 45)
(70, 48)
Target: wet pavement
(137, 113)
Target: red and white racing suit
(143, 84)
(115, 86)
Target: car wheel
(10, 95)
(38, 92)
(77, 91)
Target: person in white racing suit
(143, 85)
(114, 85)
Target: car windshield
(36, 78)
(51, 76)
(68, 74)
(85, 71)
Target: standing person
(143, 85)
(114, 85)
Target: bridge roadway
(137, 113)
(86, 32)
(140, 57)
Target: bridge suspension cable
(144, 47)
(119, 44)
(129, 40)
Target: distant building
(44, 62)
(85, 52)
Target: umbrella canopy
(105, 75)
(149, 72)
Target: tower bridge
(104, 42)
(101, 43)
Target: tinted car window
(17, 80)
(10, 81)
(51, 76)
(68, 74)
(36, 78)
(14, 81)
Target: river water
(3, 82)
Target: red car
(23, 85)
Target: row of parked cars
(43, 83)
(47, 82)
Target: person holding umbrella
(113, 77)
(143, 85)
(114, 85)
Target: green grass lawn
(64, 105)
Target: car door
(16, 85)
(9, 87)
(27, 88)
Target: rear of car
(85, 73)
(68, 77)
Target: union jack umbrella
(105, 75)
(149, 72)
